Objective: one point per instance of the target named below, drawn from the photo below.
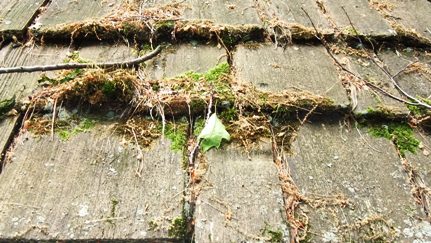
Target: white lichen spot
(330, 237)
(112, 171)
(420, 231)
(83, 211)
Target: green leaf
(213, 133)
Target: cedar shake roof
(327, 104)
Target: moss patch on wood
(401, 134)
(177, 133)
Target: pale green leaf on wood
(213, 133)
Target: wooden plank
(328, 160)
(291, 12)
(242, 199)
(292, 69)
(15, 15)
(421, 159)
(411, 15)
(416, 80)
(223, 12)
(87, 188)
(66, 11)
(198, 58)
(22, 85)
(365, 19)
(369, 100)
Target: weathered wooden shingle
(223, 12)
(15, 15)
(290, 12)
(178, 59)
(415, 68)
(242, 197)
(328, 159)
(369, 100)
(364, 19)
(297, 68)
(66, 12)
(22, 84)
(411, 16)
(88, 188)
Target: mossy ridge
(383, 112)
(215, 80)
(401, 134)
(91, 86)
(66, 75)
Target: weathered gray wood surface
(241, 197)
(66, 11)
(293, 69)
(88, 188)
(22, 84)
(370, 100)
(290, 12)
(415, 81)
(177, 60)
(365, 20)
(328, 159)
(15, 15)
(421, 160)
(223, 11)
(412, 15)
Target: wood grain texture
(15, 15)
(87, 188)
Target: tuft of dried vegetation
(139, 131)
(95, 87)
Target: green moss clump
(213, 75)
(68, 77)
(75, 58)
(165, 25)
(109, 88)
(229, 114)
(193, 76)
(178, 136)
(178, 228)
(216, 77)
(275, 235)
(419, 111)
(198, 127)
(130, 28)
(6, 105)
(217, 72)
(400, 134)
(416, 110)
(83, 126)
